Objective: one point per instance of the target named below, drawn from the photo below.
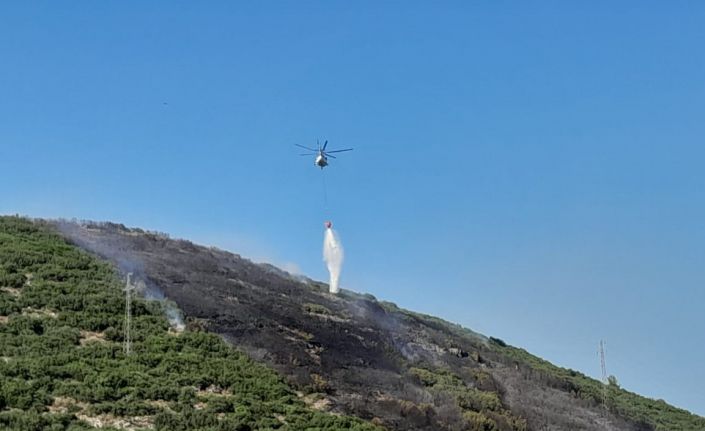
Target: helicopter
(321, 153)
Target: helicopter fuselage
(321, 161)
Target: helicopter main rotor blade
(331, 156)
(325, 144)
(339, 151)
(306, 148)
(309, 154)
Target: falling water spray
(333, 256)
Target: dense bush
(482, 410)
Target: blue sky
(534, 172)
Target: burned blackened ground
(347, 353)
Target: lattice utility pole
(605, 381)
(127, 344)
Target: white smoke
(333, 256)
(176, 319)
(173, 314)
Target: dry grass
(11, 290)
(39, 312)
(213, 390)
(317, 402)
(132, 423)
(161, 404)
(64, 404)
(89, 337)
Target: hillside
(340, 358)
(63, 367)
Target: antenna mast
(605, 381)
(127, 346)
